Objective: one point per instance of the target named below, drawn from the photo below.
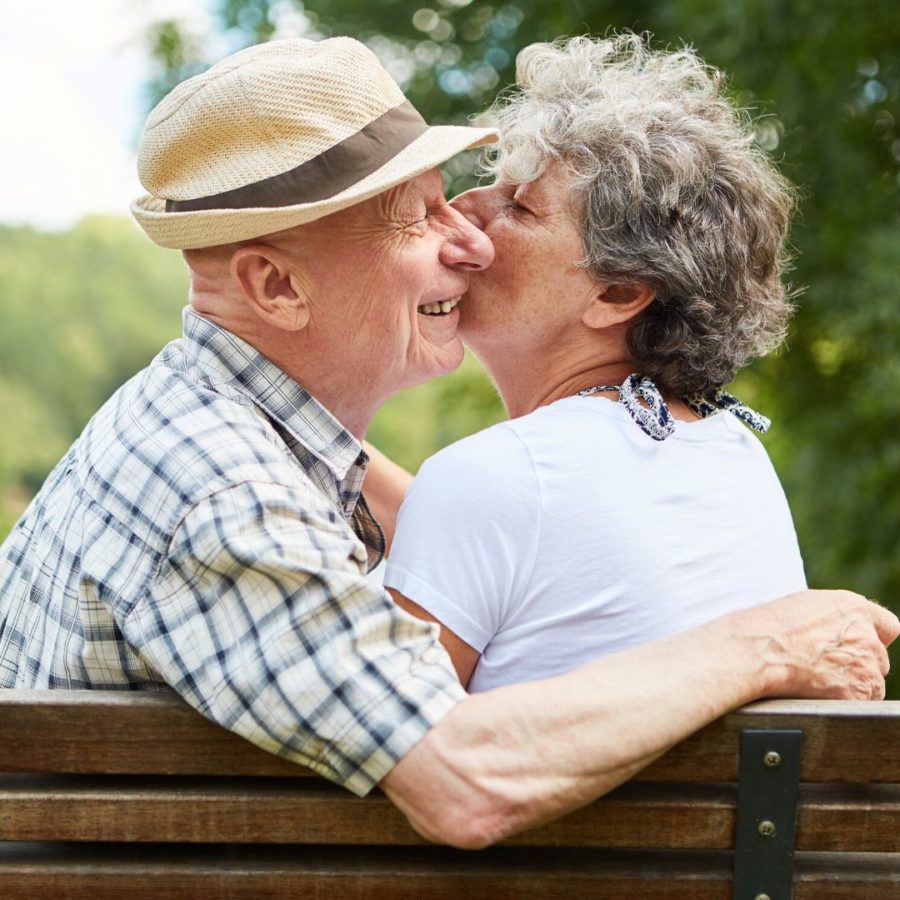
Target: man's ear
(615, 304)
(271, 285)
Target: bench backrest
(134, 792)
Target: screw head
(762, 897)
(772, 759)
(766, 828)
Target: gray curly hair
(668, 188)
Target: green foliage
(82, 312)
(417, 422)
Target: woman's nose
(471, 205)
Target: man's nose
(467, 246)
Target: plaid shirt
(206, 532)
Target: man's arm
(385, 487)
(521, 755)
(261, 617)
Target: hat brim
(210, 228)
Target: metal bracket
(767, 813)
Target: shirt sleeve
(262, 618)
(467, 534)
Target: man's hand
(823, 644)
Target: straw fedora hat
(277, 135)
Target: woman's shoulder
(492, 448)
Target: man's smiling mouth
(440, 308)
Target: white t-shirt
(567, 534)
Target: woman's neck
(529, 380)
(529, 377)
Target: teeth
(443, 306)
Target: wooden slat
(850, 742)
(112, 873)
(259, 811)
(864, 817)
(700, 817)
(67, 808)
(221, 873)
(846, 876)
(129, 733)
(304, 813)
(122, 732)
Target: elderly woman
(639, 239)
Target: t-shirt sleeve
(262, 618)
(467, 534)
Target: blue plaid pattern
(206, 533)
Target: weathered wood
(501, 873)
(220, 873)
(69, 731)
(865, 817)
(65, 808)
(833, 748)
(304, 813)
(137, 796)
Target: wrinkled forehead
(424, 188)
(427, 185)
(397, 204)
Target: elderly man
(206, 532)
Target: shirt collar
(228, 361)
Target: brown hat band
(327, 174)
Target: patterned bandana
(654, 418)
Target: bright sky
(72, 73)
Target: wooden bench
(127, 796)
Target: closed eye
(417, 227)
(514, 200)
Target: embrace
(604, 566)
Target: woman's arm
(464, 656)
(385, 487)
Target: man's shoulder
(171, 440)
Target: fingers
(887, 625)
(885, 661)
(831, 644)
(874, 689)
(860, 661)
